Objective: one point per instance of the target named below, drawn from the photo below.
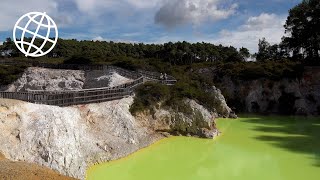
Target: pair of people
(163, 76)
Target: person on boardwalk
(165, 76)
(161, 76)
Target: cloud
(247, 35)
(132, 34)
(263, 21)
(112, 18)
(97, 7)
(98, 38)
(1, 43)
(143, 4)
(11, 10)
(179, 12)
(93, 6)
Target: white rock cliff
(70, 139)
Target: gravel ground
(27, 171)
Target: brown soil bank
(26, 171)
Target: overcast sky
(228, 22)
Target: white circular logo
(39, 26)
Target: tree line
(175, 53)
(302, 40)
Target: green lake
(254, 148)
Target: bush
(255, 70)
(126, 64)
(148, 95)
(188, 86)
(78, 59)
(9, 74)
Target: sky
(240, 23)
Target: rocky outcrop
(220, 105)
(70, 139)
(35, 78)
(48, 79)
(285, 96)
(189, 118)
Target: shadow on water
(296, 134)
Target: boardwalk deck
(85, 96)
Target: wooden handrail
(84, 96)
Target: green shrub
(148, 95)
(78, 59)
(126, 64)
(8, 74)
(255, 70)
(187, 86)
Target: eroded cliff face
(221, 108)
(285, 96)
(189, 119)
(69, 139)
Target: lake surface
(254, 148)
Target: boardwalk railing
(94, 95)
(154, 76)
(75, 97)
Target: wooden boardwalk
(86, 96)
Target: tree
(244, 52)
(271, 52)
(11, 48)
(303, 28)
(263, 53)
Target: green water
(257, 148)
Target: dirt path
(26, 171)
